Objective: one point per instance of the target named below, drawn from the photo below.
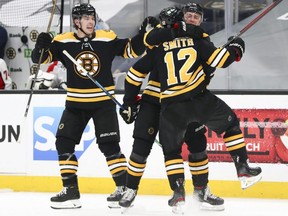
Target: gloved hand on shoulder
(182, 29)
(131, 111)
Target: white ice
(37, 204)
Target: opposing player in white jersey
(5, 79)
(54, 78)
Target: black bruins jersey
(152, 91)
(133, 83)
(178, 66)
(95, 55)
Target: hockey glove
(131, 111)
(238, 45)
(181, 29)
(44, 41)
(149, 23)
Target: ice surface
(37, 204)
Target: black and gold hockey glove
(44, 41)
(182, 29)
(131, 111)
(147, 24)
(238, 45)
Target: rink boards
(31, 164)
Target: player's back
(179, 68)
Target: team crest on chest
(90, 62)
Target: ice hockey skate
(127, 199)
(114, 198)
(178, 198)
(68, 198)
(248, 176)
(207, 200)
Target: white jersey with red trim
(54, 78)
(5, 79)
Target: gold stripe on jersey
(218, 57)
(89, 95)
(129, 52)
(197, 78)
(145, 36)
(104, 35)
(205, 35)
(174, 166)
(48, 59)
(197, 168)
(134, 77)
(153, 89)
(192, 78)
(66, 38)
(88, 100)
(234, 142)
(100, 35)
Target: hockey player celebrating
(95, 50)
(189, 88)
(147, 125)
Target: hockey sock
(198, 165)
(136, 168)
(236, 146)
(174, 169)
(68, 168)
(117, 165)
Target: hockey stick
(93, 80)
(98, 84)
(242, 31)
(255, 20)
(36, 74)
(248, 26)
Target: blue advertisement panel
(45, 123)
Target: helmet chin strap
(80, 28)
(83, 32)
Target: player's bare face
(87, 24)
(192, 18)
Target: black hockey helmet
(83, 9)
(193, 7)
(170, 15)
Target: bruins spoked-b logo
(33, 35)
(90, 62)
(10, 53)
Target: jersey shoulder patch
(105, 35)
(68, 36)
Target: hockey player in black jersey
(189, 85)
(147, 125)
(94, 50)
(193, 14)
